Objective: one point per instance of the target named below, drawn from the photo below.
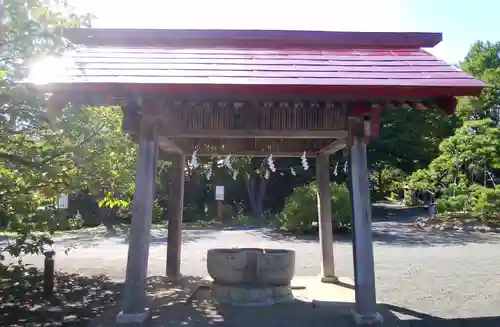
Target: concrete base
(174, 278)
(132, 318)
(373, 319)
(324, 292)
(329, 279)
(251, 296)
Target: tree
(470, 154)
(409, 139)
(469, 158)
(104, 157)
(36, 164)
(483, 62)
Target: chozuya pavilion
(254, 93)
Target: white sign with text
(219, 192)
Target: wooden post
(325, 218)
(175, 208)
(48, 273)
(134, 306)
(219, 198)
(219, 209)
(364, 271)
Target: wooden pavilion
(254, 93)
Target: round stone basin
(251, 266)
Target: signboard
(219, 192)
(62, 202)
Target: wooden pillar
(325, 218)
(134, 296)
(364, 271)
(175, 208)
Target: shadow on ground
(76, 300)
(91, 301)
(93, 237)
(393, 225)
(409, 235)
(390, 211)
(393, 234)
(410, 318)
(186, 304)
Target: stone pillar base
(128, 318)
(329, 279)
(363, 319)
(251, 296)
(174, 278)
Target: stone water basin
(251, 265)
(251, 276)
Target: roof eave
(274, 39)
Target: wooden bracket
(372, 114)
(169, 145)
(335, 146)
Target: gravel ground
(443, 274)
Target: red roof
(326, 62)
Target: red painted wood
(277, 81)
(251, 62)
(354, 65)
(252, 51)
(258, 74)
(359, 92)
(231, 67)
(375, 122)
(276, 57)
(250, 38)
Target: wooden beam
(168, 145)
(335, 146)
(259, 154)
(258, 134)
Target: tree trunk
(108, 219)
(256, 188)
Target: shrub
(387, 181)
(452, 203)
(480, 200)
(487, 203)
(300, 213)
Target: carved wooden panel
(204, 115)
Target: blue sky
(462, 21)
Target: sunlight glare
(46, 70)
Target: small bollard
(432, 210)
(48, 273)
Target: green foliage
(483, 61)
(387, 180)
(44, 152)
(33, 168)
(487, 203)
(479, 200)
(409, 139)
(466, 158)
(465, 171)
(452, 203)
(300, 213)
